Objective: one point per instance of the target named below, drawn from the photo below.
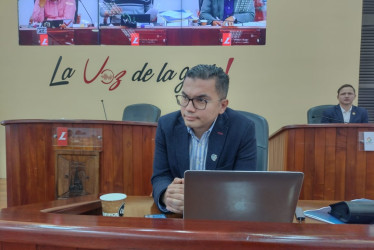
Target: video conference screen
(142, 22)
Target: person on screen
(53, 10)
(227, 12)
(204, 135)
(345, 111)
(115, 8)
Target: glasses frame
(190, 99)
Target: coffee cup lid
(113, 197)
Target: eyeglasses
(198, 102)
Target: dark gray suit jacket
(232, 146)
(335, 115)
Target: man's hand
(174, 196)
(229, 21)
(217, 23)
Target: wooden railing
(331, 156)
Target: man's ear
(224, 104)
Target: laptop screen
(241, 195)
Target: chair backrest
(314, 114)
(262, 139)
(141, 112)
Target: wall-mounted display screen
(142, 22)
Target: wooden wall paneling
(50, 161)
(290, 157)
(106, 162)
(360, 170)
(340, 165)
(365, 171)
(148, 153)
(351, 180)
(330, 159)
(369, 192)
(138, 160)
(309, 161)
(28, 163)
(360, 173)
(13, 159)
(319, 163)
(39, 167)
(127, 152)
(277, 152)
(117, 144)
(299, 160)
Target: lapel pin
(353, 113)
(213, 157)
(220, 133)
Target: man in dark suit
(345, 112)
(204, 135)
(227, 12)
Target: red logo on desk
(226, 39)
(62, 136)
(43, 39)
(135, 39)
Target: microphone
(329, 118)
(87, 14)
(102, 102)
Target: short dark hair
(206, 72)
(345, 86)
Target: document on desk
(176, 17)
(323, 214)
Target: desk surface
(51, 223)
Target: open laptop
(241, 195)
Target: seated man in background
(227, 12)
(115, 8)
(204, 135)
(53, 10)
(345, 112)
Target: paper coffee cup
(113, 204)
(203, 22)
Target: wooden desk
(125, 157)
(26, 227)
(334, 166)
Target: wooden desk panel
(26, 227)
(329, 155)
(126, 158)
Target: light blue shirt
(199, 148)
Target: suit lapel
(339, 114)
(216, 142)
(353, 114)
(181, 142)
